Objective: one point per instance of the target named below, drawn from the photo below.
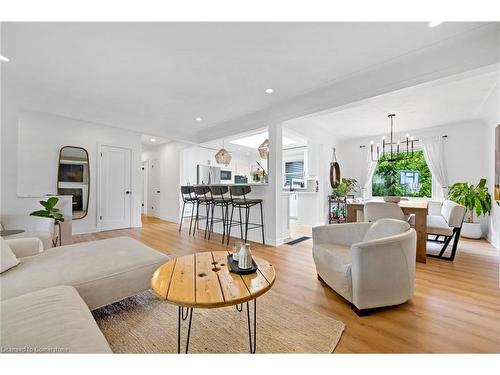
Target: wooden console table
(418, 208)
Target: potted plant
(476, 200)
(50, 210)
(346, 186)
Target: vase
(392, 199)
(245, 257)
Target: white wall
(169, 155)
(490, 113)
(30, 150)
(464, 153)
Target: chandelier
(223, 156)
(392, 150)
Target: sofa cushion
(436, 224)
(385, 228)
(333, 264)
(45, 237)
(7, 257)
(102, 271)
(53, 320)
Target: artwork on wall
(497, 163)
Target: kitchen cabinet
(294, 206)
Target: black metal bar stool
(203, 198)
(240, 201)
(220, 199)
(188, 197)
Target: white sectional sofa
(51, 291)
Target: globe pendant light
(223, 156)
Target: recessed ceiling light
(3, 58)
(198, 119)
(435, 23)
(153, 140)
(269, 91)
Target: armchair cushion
(453, 213)
(25, 247)
(436, 224)
(8, 259)
(384, 228)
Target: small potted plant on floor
(477, 200)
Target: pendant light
(264, 149)
(223, 156)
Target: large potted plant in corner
(477, 200)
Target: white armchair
(445, 220)
(33, 226)
(369, 264)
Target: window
(293, 170)
(408, 177)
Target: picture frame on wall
(497, 163)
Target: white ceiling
(151, 141)
(452, 100)
(158, 77)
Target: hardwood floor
(456, 306)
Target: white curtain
(433, 148)
(367, 169)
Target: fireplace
(77, 197)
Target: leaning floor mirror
(73, 178)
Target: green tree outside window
(386, 178)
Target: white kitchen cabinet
(294, 206)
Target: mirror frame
(88, 184)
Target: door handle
(157, 191)
(127, 192)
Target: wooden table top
(418, 205)
(203, 280)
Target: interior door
(115, 188)
(145, 187)
(154, 190)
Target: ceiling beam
(472, 50)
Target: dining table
(417, 208)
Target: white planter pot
(471, 230)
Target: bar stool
(239, 200)
(220, 199)
(203, 198)
(188, 197)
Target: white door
(145, 187)
(154, 188)
(115, 188)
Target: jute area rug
(145, 324)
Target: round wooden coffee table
(203, 280)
